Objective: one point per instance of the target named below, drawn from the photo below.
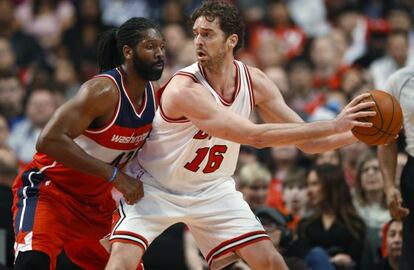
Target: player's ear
(127, 52)
(232, 40)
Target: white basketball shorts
(218, 217)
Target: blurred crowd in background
(320, 53)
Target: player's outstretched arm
(186, 98)
(273, 109)
(95, 101)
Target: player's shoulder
(255, 72)
(403, 74)
(100, 86)
(400, 79)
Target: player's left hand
(131, 188)
(355, 110)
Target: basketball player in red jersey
(187, 163)
(64, 194)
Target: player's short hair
(230, 20)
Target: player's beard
(147, 71)
(215, 60)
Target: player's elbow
(44, 142)
(41, 143)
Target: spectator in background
(369, 198)
(41, 105)
(46, 20)
(370, 202)
(350, 155)
(81, 39)
(310, 16)
(27, 51)
(327, 63)
(269, 51)
(334, 234)
(247, 155)
(114, 13)
(355, 80)
(295, 198)
(172, 11)
(282, 160)
(4, 131)
(176, 38)
(274, 223)
(355, 26)
(11, 98)
(253, 182)
(8, 170)
(395, 58)
(279, 77)
(399, 19)
(280, 21)
(7, 57)
(333, 157)
(66, 78)
(393, 238)
(303, 97)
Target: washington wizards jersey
(116, 143)
(181, 158)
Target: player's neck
(135, 84)
(221, 75)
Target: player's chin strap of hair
(114, 174)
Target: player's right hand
(348, 118)
(131, 188)
(394, 202)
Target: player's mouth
(159, 65)
(201, 54)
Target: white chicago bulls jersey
(180, 157)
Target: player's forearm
(387, 156)
(328, 143)
(64, 150)
(268, 135)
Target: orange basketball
(386, 123)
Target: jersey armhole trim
(116, 112)
(250, 85)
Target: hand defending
(348, 118)
(394, 201)
(131, 188)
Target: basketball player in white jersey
(188, 160)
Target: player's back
(182, 158)
(116, 143)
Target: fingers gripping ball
(386, 123)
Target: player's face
(210, 41)
(149, 56)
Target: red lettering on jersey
(200, 135)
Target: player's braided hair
(231, 22)
(111, 42)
